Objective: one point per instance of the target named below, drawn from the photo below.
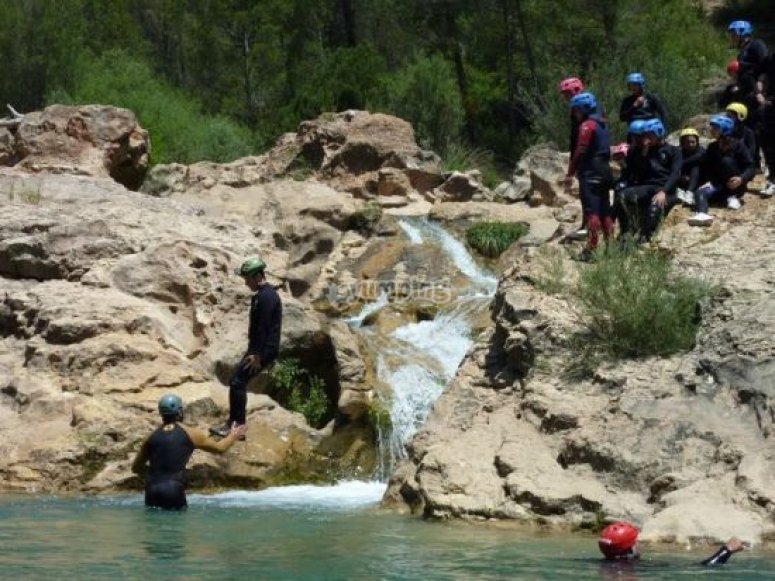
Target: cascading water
(417, 360)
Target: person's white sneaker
(701, 219)
(733, 203)
(685, 197)
(769, 190)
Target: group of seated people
(654, 175)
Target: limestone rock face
(679, 445)
(112, 298)
(92, 140)
(371, 156)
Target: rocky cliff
(681, 445)
(112, 297)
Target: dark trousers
(238, 391)
(597, 210)
(638, 214)
(238, 387)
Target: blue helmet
(656, 127)
(170, 405)
(637, 127)
(636, 79)
(741, 28)
(584, 102)
(725, 125)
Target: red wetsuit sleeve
(586, 133)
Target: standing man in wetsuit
(167, 451)
(266, 318)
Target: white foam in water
(368, 309)
(445, 338)
(342, 496)
(461, 257)
(415, 237)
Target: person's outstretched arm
(721, 556)
(204, 442)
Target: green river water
(304, 532)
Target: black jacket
(652, 108)
(266, 319)
(721, 165)
(661, 167)
(752, 59)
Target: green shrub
(634, 303)
(492, 238)
(298, 390)
(179, 131)
(425, 93)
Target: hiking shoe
(586, 255)
(733, 203)
(769, 190)
(701, 219)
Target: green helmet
(251, 266)
(170, 405)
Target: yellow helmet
(739, 109)
(688, 132)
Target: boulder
(92, 140)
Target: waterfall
(419, 359)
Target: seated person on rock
(619, 542)
(693, 155)
(649, 184)
(590, 162)
(728, 168)
(167, 452)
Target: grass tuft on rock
(491, 239)
(635, 304)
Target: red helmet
(620, 149)
(571, 85)
(733, 67)
(617, 539)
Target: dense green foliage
(215, 79)
(492, 238)
(296, 389)
(635, 304)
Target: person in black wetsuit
(641, 104)
(266, 317)
(647, 188)
(167, 451)
(693, 155)
(619, 542)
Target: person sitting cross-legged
(728, 166)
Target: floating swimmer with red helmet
(619, 542)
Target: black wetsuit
(652, 108)
(168, 453)
(266, 318)
(644, 177)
